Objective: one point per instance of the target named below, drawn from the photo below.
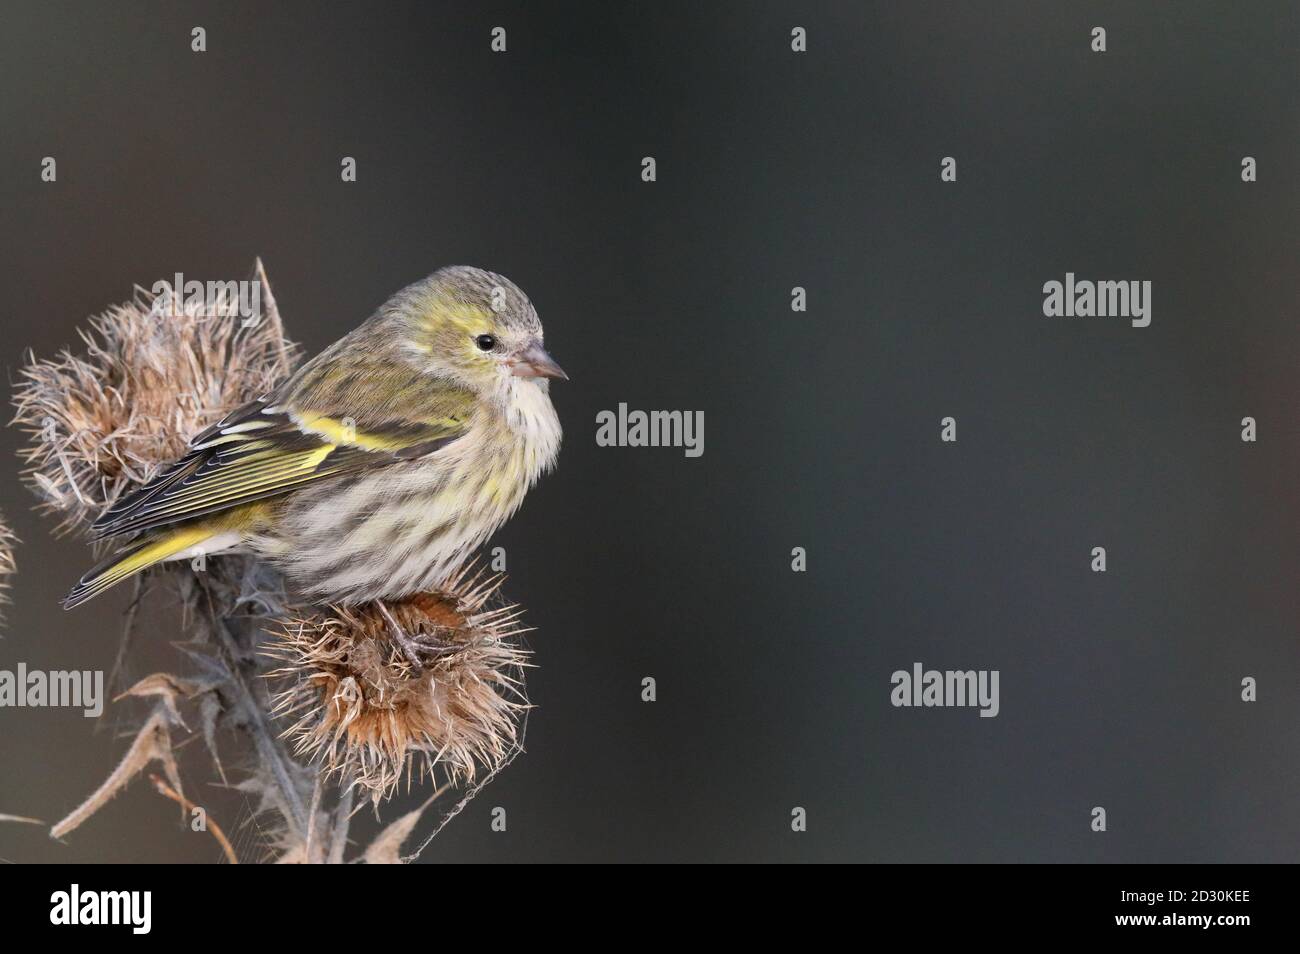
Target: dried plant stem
(342, 821)
(269, 751)
(313, 822)
(166, 790)
(128, 630)
(21, 819)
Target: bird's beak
(534, 362)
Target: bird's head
(474, 326)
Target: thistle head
(362, 709)
(102, 420)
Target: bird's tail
(130, 561)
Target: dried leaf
(386, 849)
(210, 710)
(166, 686)
(152, 743)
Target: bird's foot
(435, 646)
(404, 642)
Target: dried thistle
(369, 714)
(152, 373)
(447, 695)
(155, 371)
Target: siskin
(377, 467)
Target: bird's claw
(404, 642)
(437, 648)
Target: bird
(374, 470)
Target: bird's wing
(268, 447)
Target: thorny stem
(268, 747)
(342, 819)
(168, 792)
(128, 630)
(312, 815)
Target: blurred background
(775, 169)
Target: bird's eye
(485, 342)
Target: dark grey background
(822, 429)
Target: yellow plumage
(377, 468)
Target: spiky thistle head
(365, 711)
(153, 372)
